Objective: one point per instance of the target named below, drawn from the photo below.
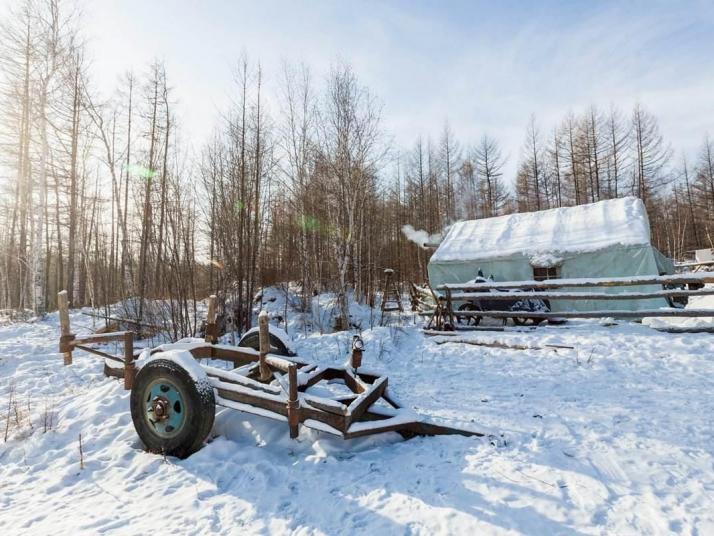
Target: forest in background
(101, 195)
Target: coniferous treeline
(100, 197)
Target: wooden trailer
(174, 395)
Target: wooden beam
(237, 379)
(353, 382)
(99, 353)
(98, 338)
(513, 296)
(407, 426)
(644, 313)
(313, 378)
(273, 361)
(677, 279)
(261, 402)
(330, 405)
(362, 403)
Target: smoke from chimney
(421, 237)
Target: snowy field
(614, 436)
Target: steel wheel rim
(164, 408)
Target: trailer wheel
(172, 413)
(519, 321)
(252, 340)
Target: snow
(183, 359)
(278, 332)
(694, 303)
(584, 228)
(545, 260)
(612, 437)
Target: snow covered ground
(612, 437)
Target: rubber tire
(520, 321)
(252, 340)
(200, 409)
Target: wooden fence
(443, 315)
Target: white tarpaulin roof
(583, 228)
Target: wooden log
(293, 402)
(211, 328)
(680, 329)
(65, 330)
(677, 279)
(264, 340)
(644, 313)
(460, 329)
(512, 296)
(497, 344)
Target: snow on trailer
(173, 397)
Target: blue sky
(484, 66)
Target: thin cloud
(486, 67)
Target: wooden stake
(129, 367)
(356, 355)
(264, 339)
(293, 402)
(81, 453)
(211, 328)
(65, 330)
(496, 344)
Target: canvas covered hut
(604, 239)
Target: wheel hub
(164, 408)
(160, 408)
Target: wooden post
(264, 339)
(66, 336)
(129, 367)
(357, 348)
(450, 310)
(211, 328)
(293, 402)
